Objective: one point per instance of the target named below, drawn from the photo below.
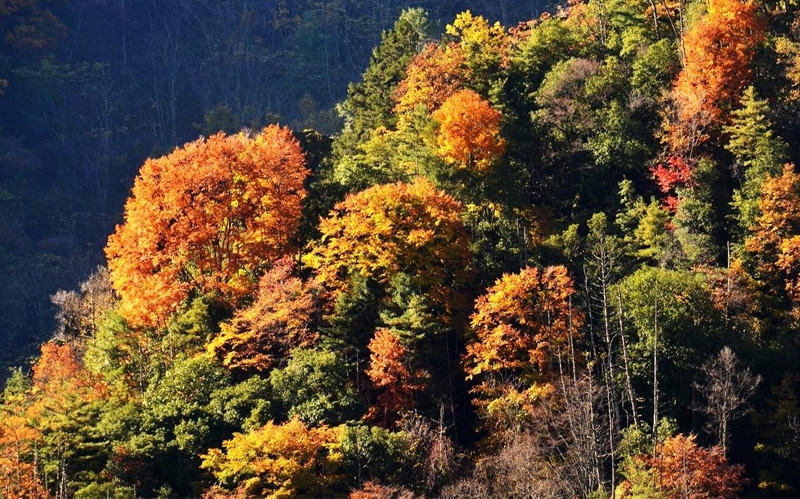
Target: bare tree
(80, 312)
(725, 390)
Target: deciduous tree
(402, 227)
(469, 131)
(208, 217)
(279, 321)
(391, 372)
(775, 243)
(524, 328)
(718, 51)
(276, 461)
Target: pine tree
(758, 153)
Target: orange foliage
(774, 241)
(60, 385)
(431, 77)
(271, 327)
(719, 50)
(522, 326)
(521, 321)
(372, 490)
(19, 477)
(390, 372)
(469, 131)
(276, 461)
(388, 229)
(687, 470)
(59, 376)
(209, 216)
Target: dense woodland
(530, 251)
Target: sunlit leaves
(209, 216)
(469, 131)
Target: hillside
(554, 257)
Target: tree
(726, 390)
(276, 461)
(80, 313)
(315, 385)
(20, 475)
(401, 227)
(369, 103)
(280, 320)
(208, 217)
(469, 131)
(672, 314)
(524, 329)
(484, 47)
(687, 470)
(718, 51)
(774, 243)
(432, 76)
(758, 152)
(390, 371)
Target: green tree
(315, 386)
(758, 152)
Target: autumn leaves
(210, 217)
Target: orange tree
(469, 131)
(680, 468)
(210, 216)
(775, 243)
(522, 330)
(276, 323)
(431, 77)
(389, 371)
(719, 50)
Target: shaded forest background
(90, 88)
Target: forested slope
(89, 89)
(558, 258)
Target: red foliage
(390, 372)
(676, 174)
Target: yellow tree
(276, 461)
(208, 217)
(378, 233)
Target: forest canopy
(531, 251)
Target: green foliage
(680, 304)
(651, 233)
(758, 153)
(315, 386)
(696, 224)
(371, 452)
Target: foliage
(774, 240)
(681, 468)
(412, 228)
(276, 461)
(389, 372)
(315, 386)
(524, 327)
(469, 131)
(263, 334)
(717, 52)
(207, 217)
